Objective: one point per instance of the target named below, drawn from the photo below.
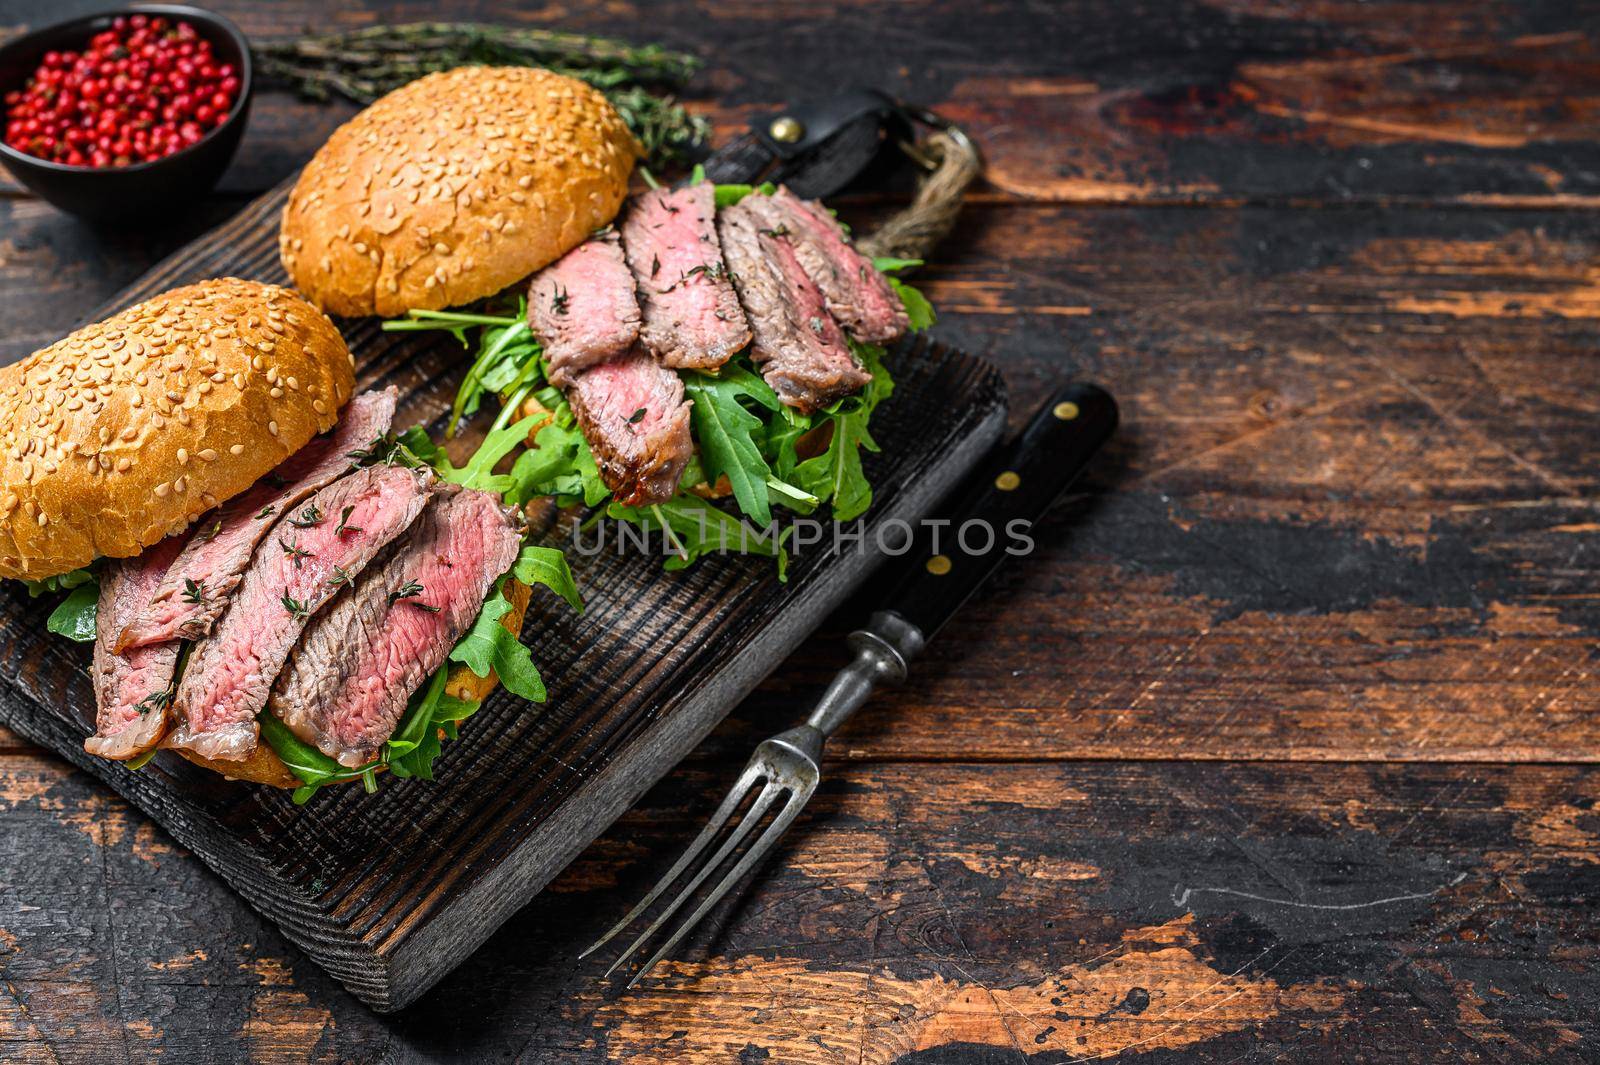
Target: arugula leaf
(791, 496)
(559, 464)
(918, 309)
(888, 264)
(142, 760)
(782, 436)
(507, 353)
(419, 446)
(699, 529)
(728, 195)
(537, 565)
(413, 727)
(479, 470)
(723, 430)
(594, 486)
(75, 617)
(313, 768)
(61, 582)
(836, 474)
(431, 711)
(488, 645)
(455, 323)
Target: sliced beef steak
(691, 315)
(132, 691)
(582, 307)
(801, 351)
(633, 414)
(300, 568)
(355, 668)
(197, 587)
(856, 293)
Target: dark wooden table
(1281, 746)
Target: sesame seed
(272, 427)
(162, 489)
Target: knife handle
(994, 516)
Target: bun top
(453, 187)
(131, 428)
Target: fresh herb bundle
(743, 435)
(362, 65)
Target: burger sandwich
(707, 342)
(276, 586)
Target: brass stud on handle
(939, 565)
(1007, 481)
(1066, 411)
(786, 130)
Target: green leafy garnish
(313, 768)
(479, 470)
(728, 195)
(695, 528)
(61, 582)
(489, 645)
(547, 566)
(506, 362)
(888, 264)
(918, 309)
(75, 617)
(724, 428)
(836, 474)
(416, 742)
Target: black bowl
(136, 191)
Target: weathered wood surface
(1315, 645)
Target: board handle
(992, 518)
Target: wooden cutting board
(391, 891)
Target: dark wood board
(392, 891)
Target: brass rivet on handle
(786, 130)
(1066, 411)
(939, 565)
(1007, 481)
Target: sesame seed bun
(453, 187)
(265, 767)
(129, 429)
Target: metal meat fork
(1017, 483)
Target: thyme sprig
(363, 64)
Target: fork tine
(751, 818)
(741, 787)
(758, 850)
